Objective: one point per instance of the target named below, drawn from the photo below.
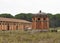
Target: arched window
(38, 18)
(44, 18)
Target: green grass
(28, 37)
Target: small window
(38, 18)
(44, 19)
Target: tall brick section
(40, 21)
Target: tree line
(54, 18)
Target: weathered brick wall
(42, 23)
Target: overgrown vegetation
(18, 36)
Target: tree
(50, 15)
(24, 16)
(29, 16)
(58, 19)
(50, 19)
(20, 16)
(6, 15)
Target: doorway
(8, 27)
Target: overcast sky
(29, 6)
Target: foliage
(24, 16)
(54, 20)
(6, 15)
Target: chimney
(40, 11)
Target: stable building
(13, 24)
(40, 21)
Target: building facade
(13, 24)
(40, 21)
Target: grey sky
(29, 6)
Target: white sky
(29, 6)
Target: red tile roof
(13, 20)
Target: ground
(29, 37)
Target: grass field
(29, 37)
